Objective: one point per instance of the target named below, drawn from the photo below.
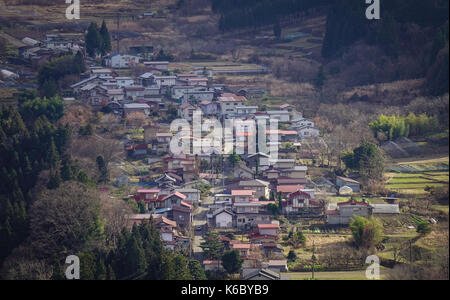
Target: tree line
(393, 127)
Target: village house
(292, 111)
(196, 81)
(136, 107)
(259, 274)
(269, 229)
(243, 172)
(283, 163)
(192, 195)
(165, 82)
(94, 95)
(308, 132)
(300, 201)
(244, 111)
(271, 174)
(284, 135)
(196, 96)
(93, 81)
(292, 181)
(258, 161)
(177, 92)
(182, 214)
(346, 210)
(117, 95)
(173, 199)
(285, 190)
(244, 249)
(249, 214)
(209, 108)
(280, 115)
(295, 172)
(148, 196)
(61, 43)
(223, 218)
(123, 81)
(186, 111)
(229, 103)
(240, 196)
(277, 265)
(182, 78)
(353, 184)
(103, 73)
(134, 92)
(147, 80)
(162, 144)
(120, 61)
(168, 181)
(260, 187)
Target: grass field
(418, 175)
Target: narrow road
(200, 219)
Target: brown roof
(289, 188)
(242, 192)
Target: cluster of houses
(39, 52)
(170, 204)
(250, 188)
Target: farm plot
(415, 183)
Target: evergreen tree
(232, 261)
(212, 246)
(102, 168)
(78, 63)
(93, 40)
(106, 39)
(54, 180)
(196, 270)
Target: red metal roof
(268, 226)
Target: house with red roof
(299, 202)
(243, 196)
(243, 248)
(269, 229)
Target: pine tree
(54, 180)
(135, 263)
(106, 39)
(196, 270)
(93, 40)
(78, 63)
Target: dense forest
(253, 13)
(396, 36)
(29, 144)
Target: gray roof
(385, 208)
(261, 272)
(136, 105)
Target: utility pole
(313, 259)
(117, 33)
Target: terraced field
(415, 183)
